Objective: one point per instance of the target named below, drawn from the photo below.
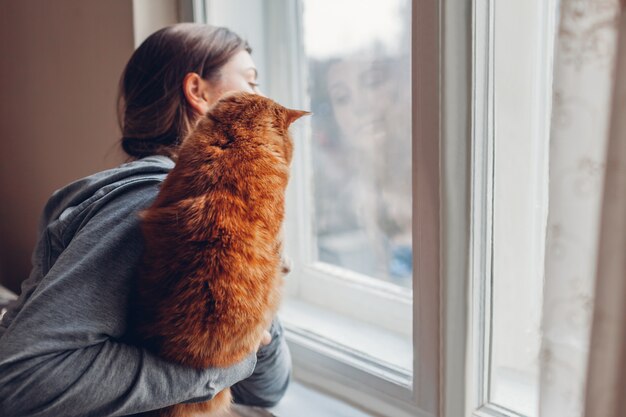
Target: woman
(62, 348)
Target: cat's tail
(219, 406)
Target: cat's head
(252, 118)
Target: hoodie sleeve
(272, 374)
(62, 354)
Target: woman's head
(172, 78)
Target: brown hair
(153, 113)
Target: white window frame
(480, 259)
(436, 386)
(483, 154)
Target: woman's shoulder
(84, 197)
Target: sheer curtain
(606, 384)
(580, 354)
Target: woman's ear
(196, 92)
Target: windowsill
(302, 401)
(349, 360)
(388, 348)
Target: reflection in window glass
(358, 55)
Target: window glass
(358, 57)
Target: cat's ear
(293, 115)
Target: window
(417, 208)
(358, 227)
(350, 312)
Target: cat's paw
(285, 265)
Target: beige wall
(60, 65)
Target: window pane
(358, 56)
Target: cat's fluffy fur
(210, 280)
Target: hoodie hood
(68, 200)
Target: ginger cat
(210, 280)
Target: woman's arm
(271, 377)
(61, 354)
(106, 379)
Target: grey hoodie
(62, 352)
